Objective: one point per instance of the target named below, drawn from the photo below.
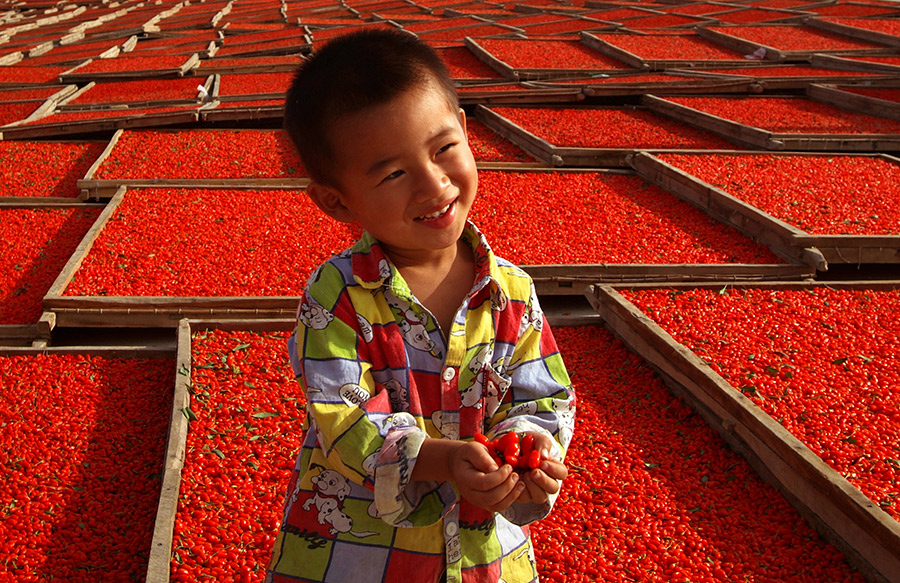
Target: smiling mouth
(435, 215)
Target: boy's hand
(481, 482)
(543, 481)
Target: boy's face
(405, 173)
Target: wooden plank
(150, 317)
(613, 51)
(773, 83)
(738, 132)
(537, 147)
(767, 140)
(125, 351)
(854, 249)
(572, 278)
(844, 515)
(854, 101)
(558, 156)
(269, 325)
(159, 563)
(250, 112)
(781, 237)
(638, 62)
(68, 271)
(19, 335)
(138, 119)
(75, 76)
(749, 47)
(490, 60)
(855, 32)
(845, 64)
(89, 175)
(523, 96)
(106, 189)
(775, 234)
(700, 86)
(27, 334)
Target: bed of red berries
(750, 16)
(464, 65)
(62, 118)
(126, 63)
(489, 146)
(822, 362)
(16, 111)
(254, 84)
(40, 169)
(285, 44)
(852, 10)
(796, 38)
(185, 155)
(790, 115)
(36, 244)
(545, 218)
(662, 21)
(27, 93)
(610, 127)
(17, 75)
(111, 92)
(788, 71)
(888, 60)
(888, 94)
(246, 416)
(668, 47)
(822, 195)
(217, 64)
(548, 54)
(883, 25)
(82, 443)
(654, 495)
(208, 242)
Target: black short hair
(351, 73)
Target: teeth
(437, 214)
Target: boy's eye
(392, 175)
(446, 147)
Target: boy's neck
(441, 280)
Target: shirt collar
(372, 268)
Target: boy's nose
(434, 182)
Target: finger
(485, 482)
(527, 495)
(511, 497)
(547, 484)
(495, 497)
(481, 460)
(554, 469)
(535, 492)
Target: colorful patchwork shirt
(379, 376)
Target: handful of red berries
(510, 448)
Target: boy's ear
(329, 200)
(462, 122)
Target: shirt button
(451, 529)
(449, 373)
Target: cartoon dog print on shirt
(412, 325)
(331, 488)
(398, 394)
(446, 423)
(487, 382)
(314, 316)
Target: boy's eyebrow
(381, 164)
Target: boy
(410, 342)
